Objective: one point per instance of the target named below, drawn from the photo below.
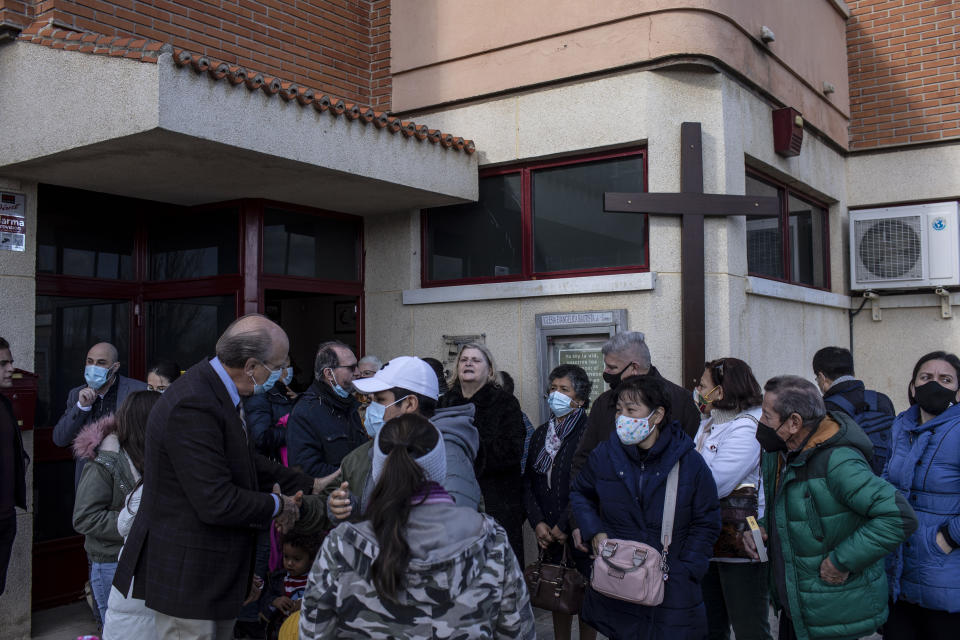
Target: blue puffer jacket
(925, 467)
(620, 493)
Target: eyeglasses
(352, 367)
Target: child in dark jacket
(284, 589)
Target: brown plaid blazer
(205, 498)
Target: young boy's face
(296, 561)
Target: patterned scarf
(557, 430)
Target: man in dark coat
(627, 354)
(324, 425)
(873, 411)
(104, 391)
(13, 464)
(206, 490)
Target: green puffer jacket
(829, 502)
(106, 481)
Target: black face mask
(614, 379)
(768, 438)
(934, 398)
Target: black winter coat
(322, 429)
(20, 459)
(499, 421)
(262, 413)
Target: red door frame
(65, 557)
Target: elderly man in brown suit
(207, 493)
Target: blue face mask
(287, 379)
(95, 376)
(267, 384)
(560, 404)
(337, 389)
(373, 418)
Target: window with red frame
(542, 219)
(792, 246)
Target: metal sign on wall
(13, 228)
(575, 338)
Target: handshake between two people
(289, 511)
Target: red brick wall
(341, 47)
(904, 71)
(14, 12)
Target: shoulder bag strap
(669, 506)
(669, 511)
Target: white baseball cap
(405, 372)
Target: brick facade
(904, 63)
(341, 47)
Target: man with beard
(324, 425)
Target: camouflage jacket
(463, 582)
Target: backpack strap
(669, 511)
(842, 403)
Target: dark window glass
(66, 328)
(571, 231)
(195, 245)
(87, 234)
(296, 244)
(186, 330)
(807, 248)
(480, 239)
(764, 236)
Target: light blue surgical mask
(268, 383)
(337, 389)
(373, 418)
(96, 376)
(287, 379)
(560, 404)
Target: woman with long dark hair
(113, 447)
(924, 466)
(418, 566)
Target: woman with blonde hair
(500, 423)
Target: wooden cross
(691, 204)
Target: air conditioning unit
(906, 247)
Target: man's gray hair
(373, 360)
(235, 347)
(630, 344)
(796, 395)
(327, 357)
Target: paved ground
(73, 620)
(64, 623)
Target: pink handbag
(633, 571)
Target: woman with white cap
(419, 566)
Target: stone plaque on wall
(575, 338)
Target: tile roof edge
(47, 33)
(305, 96)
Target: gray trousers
(170, 628)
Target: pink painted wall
(446, 51)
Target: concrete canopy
(164, 133)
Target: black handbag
(555, 587)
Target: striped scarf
(557, 430)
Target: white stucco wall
(774, 335)
(885, 351)
(17, 318)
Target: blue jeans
(101, 578)
(251, 612)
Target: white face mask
(634, 430)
